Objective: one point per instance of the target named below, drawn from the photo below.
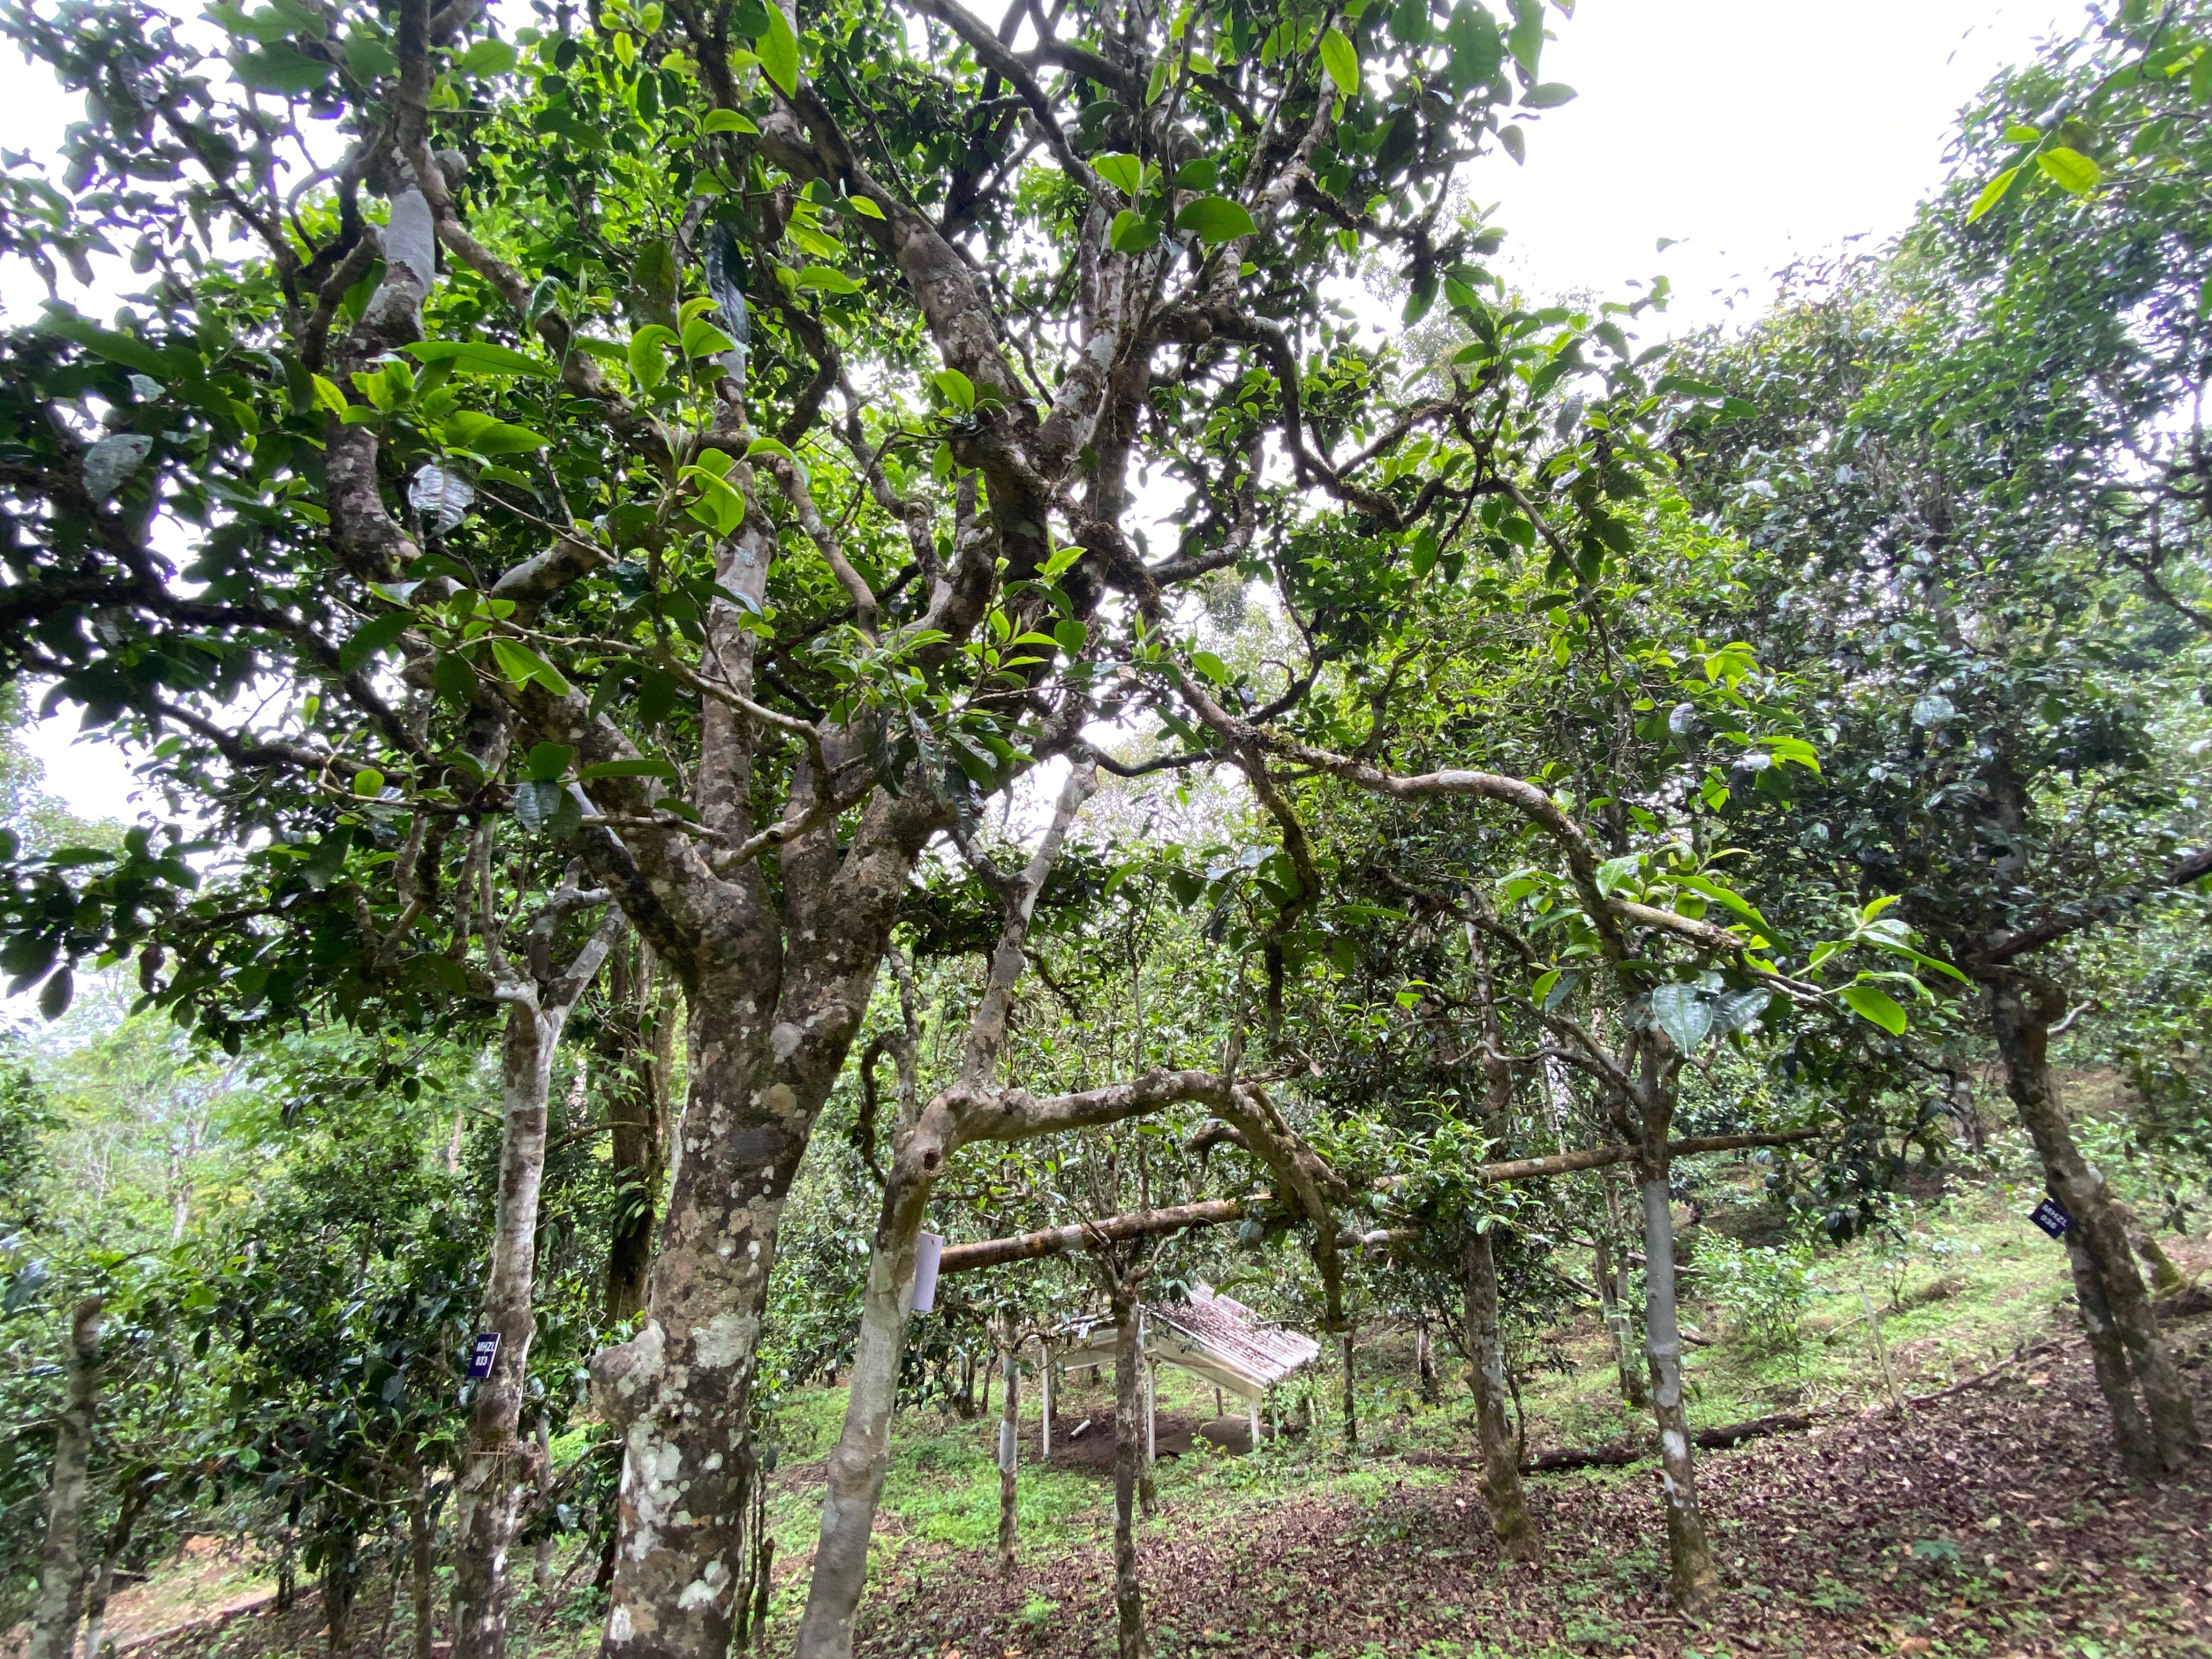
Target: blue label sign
(487, 1350)
(2050, 1215)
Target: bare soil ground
(1993, 1523)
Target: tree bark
(1689, 1554)
(642, 1044)
(487, 1493)
(773, 1005)
(61, 1556)
(1009, 1449)
(1509, 1519)
(1350, 1398)
(862, 1457)
(1129, 1641)
(1613, 1290)
(2116, 1308)
(422, 1557)
(135, 1494)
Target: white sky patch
(1752, 132)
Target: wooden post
(1255, 1404)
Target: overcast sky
(1751, 131)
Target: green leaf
(1125, 173)
(828, 280)
(629, 769)
(1871, 1003)
(955, 388)
(488, 58)
(54, 999)
(329, 395)
(1131, 233)
(1210, 665)
(1199, 174)
(1992, 193)
(1516, 141)
(1526, 38)
(1734, 1010)
(520, 665)
(726, 120)
(546, 762)
(649, 361)
(1684, 1015)
(1338, 57)
(2073, 172)
(105, 343)
(1549, 94)
(478, 357)
(378, 634)
(703, 339)
(1215, 219)
(1409, 22)
(483, 436)
(280, 68)
(368, 783)
(779, 52)
(536, 802)
(1728, 897)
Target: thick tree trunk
(1501, 1472)
(61, 1555)
(487, 1494)
(643, 1045)
(1008, 1451)
(422, 1557)
(340, 1580)
(2116, 1308)
(1689, 1554)
(1129, 1641)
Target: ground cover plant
(1621, 918)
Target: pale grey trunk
(1509, 1520)
(1613, 1292)
(1128, 1457)
(488, 1489)
(60, 1600)
(862, 1457)
(1009, 1453)
(1689, 1554)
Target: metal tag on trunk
(480, 1361)
(2052, 1217)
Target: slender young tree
(55, 1615)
